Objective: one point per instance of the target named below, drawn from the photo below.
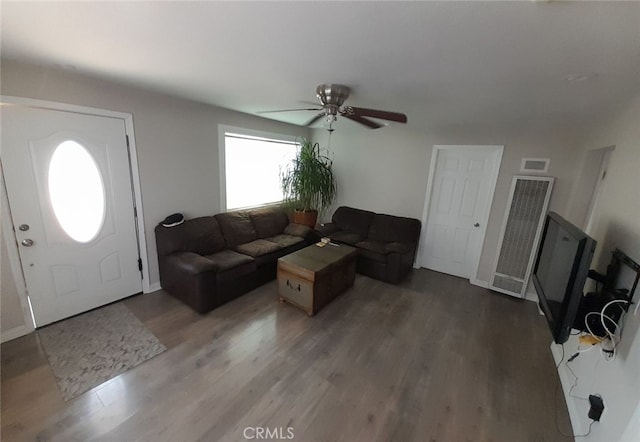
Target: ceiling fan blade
(314, 119)
(362, 120)
(374, 113)
(288, 110)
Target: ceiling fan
(332, 98)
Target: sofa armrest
(190, 263)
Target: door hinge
(139, 264)
(127, 138)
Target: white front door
(461, 190)
(68, 181)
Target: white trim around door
(497, 152)
(15, 269)
(133, 161)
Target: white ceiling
(439, 62)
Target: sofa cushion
(397, 247)
(294, 229)
(346, 237)
(390, 228)
(228, 259)
(268, 222)
(374, 250)
(232, 265)
(200, 235)
(258, 247)
(285, 240)
(236, 227)
(235, 273)
(353, 220)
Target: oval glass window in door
(76, 191)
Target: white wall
(386, 170)
(177, 140)
(617, 224)
(586, 186)
(379, 170)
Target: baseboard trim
(533, 297)
(479, 283)
(15, 332)
(153, 288)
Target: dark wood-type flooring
(432, 359)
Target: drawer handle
(291, 286)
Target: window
(76, 191)
(251, 165)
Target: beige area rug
(89, 349)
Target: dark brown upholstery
(386, 244)
(198, 235)
(286, 240)
(389, 228)
(353, 220)
(236, 227)
(228, 259)
(258, 247)
(208, 261)
(268, 222)
(346, 237)
(373, 250)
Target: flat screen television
(560, 272)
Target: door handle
(27, 242)
(476, 225)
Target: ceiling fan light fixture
(330, 118)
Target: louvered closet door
(526, 209)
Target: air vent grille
(508, 284)
(535, 165)
(521, 230)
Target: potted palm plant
(308, 184)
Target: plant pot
(305, 217)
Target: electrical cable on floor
(588, 431)
(575, 383)
(555, 402)
(555, 396)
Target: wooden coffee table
(312, 277)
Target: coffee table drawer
(296, 291)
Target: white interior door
(68, 181)
(458, 203)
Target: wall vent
(535, 165)
(523, 221)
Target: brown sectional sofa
(210, 260)
(386, 244)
